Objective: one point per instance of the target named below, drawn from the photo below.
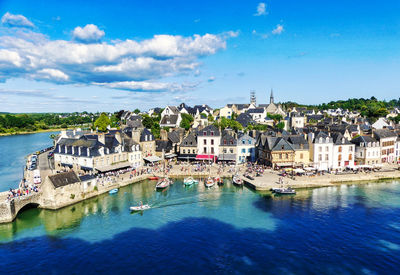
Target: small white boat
(113, 191)
(163, 183)
(285, 191)
(140, 207)
(209, 182)
(189, 181)
(237, 180)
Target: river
(347, 229)
(13, 150)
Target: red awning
(206, 157)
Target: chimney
(163, 134)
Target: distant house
(387, 140)
(171, 121)
(257, 114)
(245, 119)
(245, 149)
(343, 152)
(368, 150)
(227, 148)
(321, 150)
(147, 143)
(188, 148)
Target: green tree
(102, 122)
(136, 111)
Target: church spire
(271, 98)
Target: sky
(67, 56)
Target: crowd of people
(24, 189)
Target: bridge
(9, 209)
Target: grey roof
(245, 119)
(208, 130)
(174, 137)
(169, 120)
(189, 141)
(165, 145)
(146, 132)
(86, 177)
(298, 142)
(363, 139)
(64, 179)
(128, 143)
(228, 140)
(384, 134)
(339, 139)
(256, 111)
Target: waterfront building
(301, 150)
(147, 143)
(342, 153)
(188, 148)
(274, 151)
(321, 150)
(245, 149)
(387, 140)
(208, 141)
(398, 149)
(368, 150)
(227, 148)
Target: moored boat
(153, 178)
(189, 181)
(163, 183)
(209, 182)
(285, 191)
(113, 191)
(237, 180)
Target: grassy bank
(33, 132)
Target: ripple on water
(386, 245)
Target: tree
(210, 118)
(102, 122)
(136, 111)
(280, 125)
(186, 121)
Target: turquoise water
(13, 150)
(347, 229)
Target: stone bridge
(10, 209)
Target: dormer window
(212, 133)
(204, 133)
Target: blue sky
(65, 56)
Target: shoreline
(33, 132)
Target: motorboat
(219, 181)
(113, 191)
(189, 181)
(163, 183)
(209, 182)
(237, 180)
(139, 208)
(285, 191)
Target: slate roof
(165, 145)
(146, 132)
(245, 119)
(189, 141)
(169, 120)
(174, 137)
(86, 177)
(228, 140)
(384, 134)
(298, 142)
(256, 111)
(64, 179)
(339, 139)
(208, 130)
(363, 139)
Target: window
(205, 142)
(243, 151)
(351, 148)
(320, 148)
(326, 157)
(231, 151)
(212, 133)
(339, 157)
(340, 149)
(350, 157)
(243, 142)
(184, 151)
(212, 142)
(301, 156)
(286, 156)
(327, 148)
(205, 150)
(280, 156)
(212, 150)
(249, 141)
(224, 150)
(204, 133)
(224, 141)
(249, 150)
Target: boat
(153, 178)
(139, 207)
(113, 191)
(237, 180)
(209, 182)
(247, 175)
(163, 183)
(189, 181)
(285, 191)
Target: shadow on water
(189, 246)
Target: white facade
(369, 153)
(208, 142)
(323, 153)
(226, 112)
(135, 157)
(343, 155)
(397, 150)
(297, 121)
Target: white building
(343, 152)
(398, 149)
(368, 150)
(208, 141)
(322, 151)
(245, 149)
(226, 112)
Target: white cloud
(127, 64)
(211, 79)
(16, 20)
(261, 9)
(278, 30)
(262, 35)
(88, 34)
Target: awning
(67, 165)
(114, 167)
(152, 159)
(228, 157)
(284, 164)
(299, 171)
(206, 157)
(187, 156)
(309, 168)
(84, 168)
(170, 155)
